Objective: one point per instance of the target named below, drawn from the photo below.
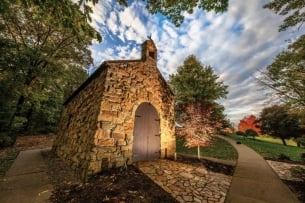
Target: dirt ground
(298, 188)
(8, 155)
(119, 185)
(28, 142)
(115, 185)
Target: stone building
(123, 113)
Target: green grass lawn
(276, 140)
(271, 150)
(219, 149)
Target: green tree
(286, 75)
(42, 60)
(196, 89)
(218, 115)
(293, 10)
(172, 9)
(278, 121)
(60, 13)
(195, 82)
(251, 133)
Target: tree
(248, 122)
(64, 14)
(252, 133)
(286, 75)
(196, 89)
(174, 10)
(293, 10)
(199, 122)
(277, 121)
(42, 61)
(195, 82)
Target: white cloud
(112, 23)
(170, 30)
(99, 15)
(130, 21)
(236, 43)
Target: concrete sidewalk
(26, 181)
(254, 181)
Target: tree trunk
(16, 112)
(28, 117)
(283, 140)
(198, 152)
(30, 78)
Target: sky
(238, 44)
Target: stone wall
(138, 82)
(97, 124)
(79, 123)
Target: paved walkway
(188, 182)
(254, 181)
(26, 181)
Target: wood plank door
(146, 136)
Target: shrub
(283, 157)
(18, 124)
(303, 156)
(298, 172)
(6, 141)
(240, 133)
(251, 133)
(226, 131)
(300, 141)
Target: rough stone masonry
(97, 124)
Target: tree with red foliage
(249, 122)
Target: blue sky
(237, 44)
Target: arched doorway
(146, 135)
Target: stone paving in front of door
(187, 182)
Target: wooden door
(146, 136)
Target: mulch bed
(298, 188)
(115, 185)
(27, 142)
